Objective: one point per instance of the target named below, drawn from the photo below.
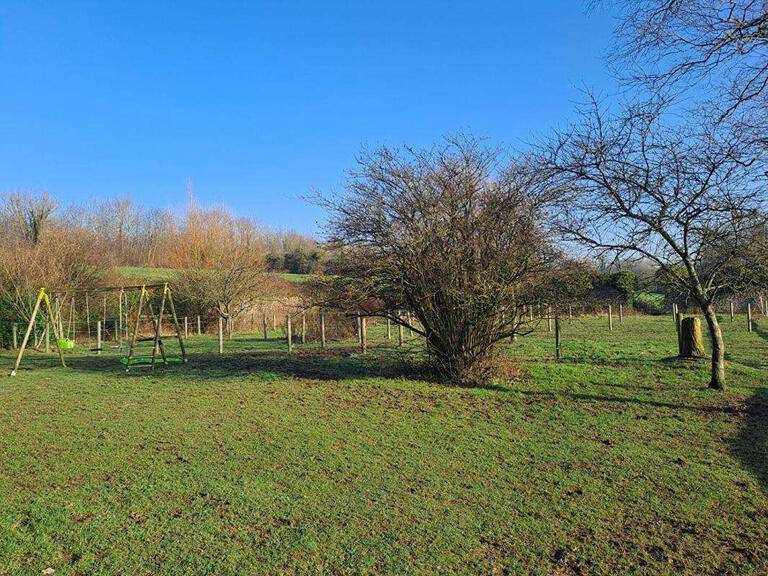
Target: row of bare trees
(219, 258)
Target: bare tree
(448, 234)
(718, 47)
(26, 215)
(220, 261)
(686, 200)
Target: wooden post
(186, 327)
(363, 336)
(230, 327)
(400, 335)
(678, 327)
(322, 328)
(303, 327)
(288, 330)
(274, 322)
(265, 325)
(731, 310)
(557, 338)
(199, 326)
(570, 314)
(389, 329)
(621, 314)
(117, 332)
(15, 330)
(610, 317)
(749, 317)
(98, 336)
(221, 335)
(359, 331)
(549, 318)
(674, 313)
(27, 333)
(120, 314)
(410, 331)
(47, 337)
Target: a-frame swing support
(157, 324)
(42, 299)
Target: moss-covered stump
(691, 341)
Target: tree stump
(691, 342)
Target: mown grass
(615, 460)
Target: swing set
(137, 351)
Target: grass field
(141, 274)
(616, 460)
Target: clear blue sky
(259, 102)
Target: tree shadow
(317, 364)
(751, 443)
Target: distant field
(612, 461)
(168, 274)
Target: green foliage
(649, 303)
(611, 461)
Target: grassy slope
(610, 461)
(162, 274)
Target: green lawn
(615, 460)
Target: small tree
(447, 234)
(686, 200)
(220, 262)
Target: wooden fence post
(15, 330)
(549, 318)
(186, 327)
(557, 338)
(265, 325)
(731, 310)
(621, 314)
(410, 331)
(359, 330)
(98, 336)
(363, 336)
(678, 327)
(303, 327)
(288, 330)
(399, 335)
(322, 328)
(221, 335)
(199, 326)
(389, 329)
(610, 317)
(749, 317)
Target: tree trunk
(718, 348)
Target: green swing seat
(66, 343)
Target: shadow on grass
(330, 364)
(751, 444)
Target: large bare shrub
(450, 234)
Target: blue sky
(259, 102)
